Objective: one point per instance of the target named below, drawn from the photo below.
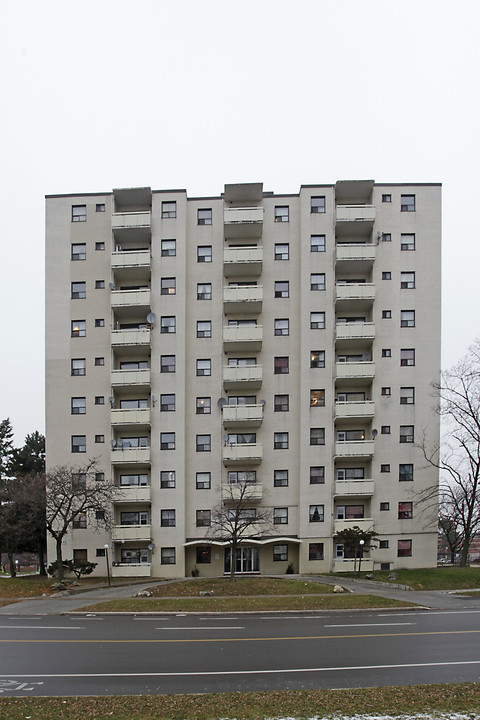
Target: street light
(108, 566)
(361, 543)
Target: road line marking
(251, 639)
(247, 672)
(425, 613)
(40, 627)
(372, 624)
(210, 627)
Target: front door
(247, 560)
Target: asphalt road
(103, 655)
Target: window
(242, 477)
(280, 441)
(99, 477)
(315, 513)
(317, 436)
(79, 251)
(386, 237)
(385, 468)
(203, 481)
(241, 438)
(317, 281)
(317, 243)
(167, 364)
(167, 479)
(203, 518)
(317, 321)
(167, 403)
(282, 289)
(407, 203)
(99, 514)
(386, 352)
(204, 253)
(386, 391)
(315, 551)
(405, 472)
(204, 443)
(353, 473)
(136, 480)
(383, 544)
(167, 518)
(317, 475)
(204, 329)
(80, 521)
(100, 245)
(134, 365)
(79, 443)
(280, 365)
(79, 328)
(167, 555)
(386, 198)
(281, 403)
(317, 204)
(281, 213)
(79, 481)
(407, 318)
(244, 514)
(169, 209)
(385, 430)
(78, 366)
(387, 275)
(280, 516)
(407, 280)
(99, 361)
(281, 326)
(99, 322)
(100, 552)
(406, 433)
(280, 553)
(386, 314)
(79, 290)
(204, 291)
(204, 554)
(204, 367)
(204, 217)
(407, 357)
(242, 400)
(282, 251)
(169, 248)
(405, 510)
(99, 438)
(134, 404)
(167, 286)
(407, 396)
(280, 478)
(404, 548)
(350, 435)
(78, 406)
(407, 241)
(384, 506)
(203, 405)
(79, 213)
(167, 441)
(317, 358)
(317, 398)
(99, 284)
(167, 324)
(100, 207)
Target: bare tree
(73, 494)
(236, 519)
(458, 455)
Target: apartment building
(287, 343)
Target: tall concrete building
(285, 343)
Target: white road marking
(215, 619)
(430, 612)
(246, 672)
(372, 624)
(40, 627)
(210, 627)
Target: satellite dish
(151, 546)
(151, 318)
(374, 434)
(221, 402)
(225, 437)
(113, 443)
(111, 286)
(262, 403)
(111, 400)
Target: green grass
(441, 578)
(34, 585)
(446, 698)
(258, 585)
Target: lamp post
(108, 566)
(361, 543)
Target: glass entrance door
(247, 560)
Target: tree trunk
(464, 555)
(233, 557)
(41, 563)
(13, 570)
(59, 559)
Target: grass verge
(441, 578)
(34, 585)
(446, 698)
(242, 586)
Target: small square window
(204, 217)
(99, 322)
(169, 209)
(316, 513)
(203, 481)
(80, 523)
(100, 245)
(407, 318)
(79, 328)
(169, 248)
(386, 275)
(204, 367)
(280, 516)
(386, 391)
(204, 291)
(317, 281)
(405, 472)
(384, 506)
(203, 518)
(404, 548)
(203, 405)
(280, 441)
(204, 329)
(99, 438)
(407, 357)
(407, 242)
(317, 436)
(407, 433)
(79, 290)
(407, 396)
(204, 443)
(280, 478)
(167, 403)
(385, 468)
(386, 198)
(317, 475)
(167, 518)
(280, 553)
(167, 364)
(317, 358)
(168, 286)
(79, 213)
(167, 324)
(204, 254)
(317, 398)
(317, 321)
(385, 430)
(79, 443)
(407, 280)
(282, 251)
(167, 441)
(99, 514)
(100, 207)
(79, 251)
(167, 556)
(99, 477)
(203, 554)
(99, 400)
(386, 352)
(407, 203)
(78, 366)
(100, 552)
(281, 326)
(386, 314)
(281, 403)
(280, 366)
(78, 406)
(99, 361)
(282, 289)
(167, 479)
(99, 284)
(405, 510)
(315, 551)
(79, 482)
(281, 213)
(386, 237)
(317, 243)
(383, 544)
(317, 204)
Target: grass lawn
(440, 578)
(34, 585)
(257, 585)
(446, 698)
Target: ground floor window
(247, 559)
(133, 556)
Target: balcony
(354, 219)
(122, 533)
(120, 418)
(128, 456)
(242, 338)
(355, 331)
(363, 293)
(248, 453)
(132, 226)
(132, 494)
(365, 524)
(130, 378)
(130, 298)
(354, 488)
(243, 377)
(130, 337)
(355, 449)
(242, 222)
(355, 371)
(235, 492)
(243, 299)
(251, 415)
(340, 566)
(131, 259)
(355, 257)
(131, 570)
(247, 261)
(361, 409)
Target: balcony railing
(140, 416)
(126, 456)
(355, 291)
(129, 220)
(345, 410)
(365, 524)
(131, 258)
(130, 377)
(242, 453)
(355, 448)
(243, 376)
(243, 261)
(347, 252)
(353, 370)
(130, 337)
(235, 492)
(242, 338)
(354, 331)
(356, 214)
(131, 532)
(131, 569)
(132, 494)
(354, 487)
(242, 415)
(243, 299)
(243, 222)
(130, 298)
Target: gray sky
(191, 94)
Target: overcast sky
(190, 94)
